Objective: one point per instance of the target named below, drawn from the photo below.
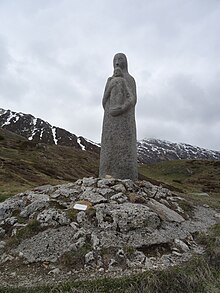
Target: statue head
(120, 60)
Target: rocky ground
(125, 227)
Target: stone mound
(125, 226)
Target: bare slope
(25, 164)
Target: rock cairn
(125, 226)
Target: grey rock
(113, 265)
(118, 156)
(79, 234)
(6, 207)
(48, 245)
(105, 183)
(11, 221)
(119, 187)
(38, 197)
(89, 257)
(120, 253)
(129, 184)
(164, 212)
(45, 189)
(95, 241)
(181, 245)
(2, 232)
(52, 217)
(105, 191)
(62, 191)
(2, 245)
(89, 181)
(148, 263)
(94, 198)
(137, 260)
(81, 217)
(126, 216)
(74, 225)
(5, 258)
(54, 271)
(34, 207)
(119, 197)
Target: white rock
(89, 257)
(181, 245)
(54, 271)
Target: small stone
(112, 264)
(119, 187)
(105, 191)
(2, 232)
(120, 253)
(54, 271)
(103, 183)
(176, 253)
(206, 205)
(74, 225)
(101, 270)
(89, 257)
(11, 221)
(119, 197)
(217, 215)
(181, 245)
(89, 181)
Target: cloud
(55, 58)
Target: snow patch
(54, 135)
(81, 145)
(11, 116)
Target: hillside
(39, 131)
(148, 150)
(157, 150)
(133, 237)
(25, 164)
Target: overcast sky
(56, 55)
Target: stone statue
(118, 156)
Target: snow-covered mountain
(155, 150)
(149, 150)
(40, 131)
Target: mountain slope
(25, 164)
(149, 150)
(40, 131)
(156, 150)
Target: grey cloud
(56, 56)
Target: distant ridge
(149, 150)
(156, 150)
(40, 131)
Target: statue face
(119, 61)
